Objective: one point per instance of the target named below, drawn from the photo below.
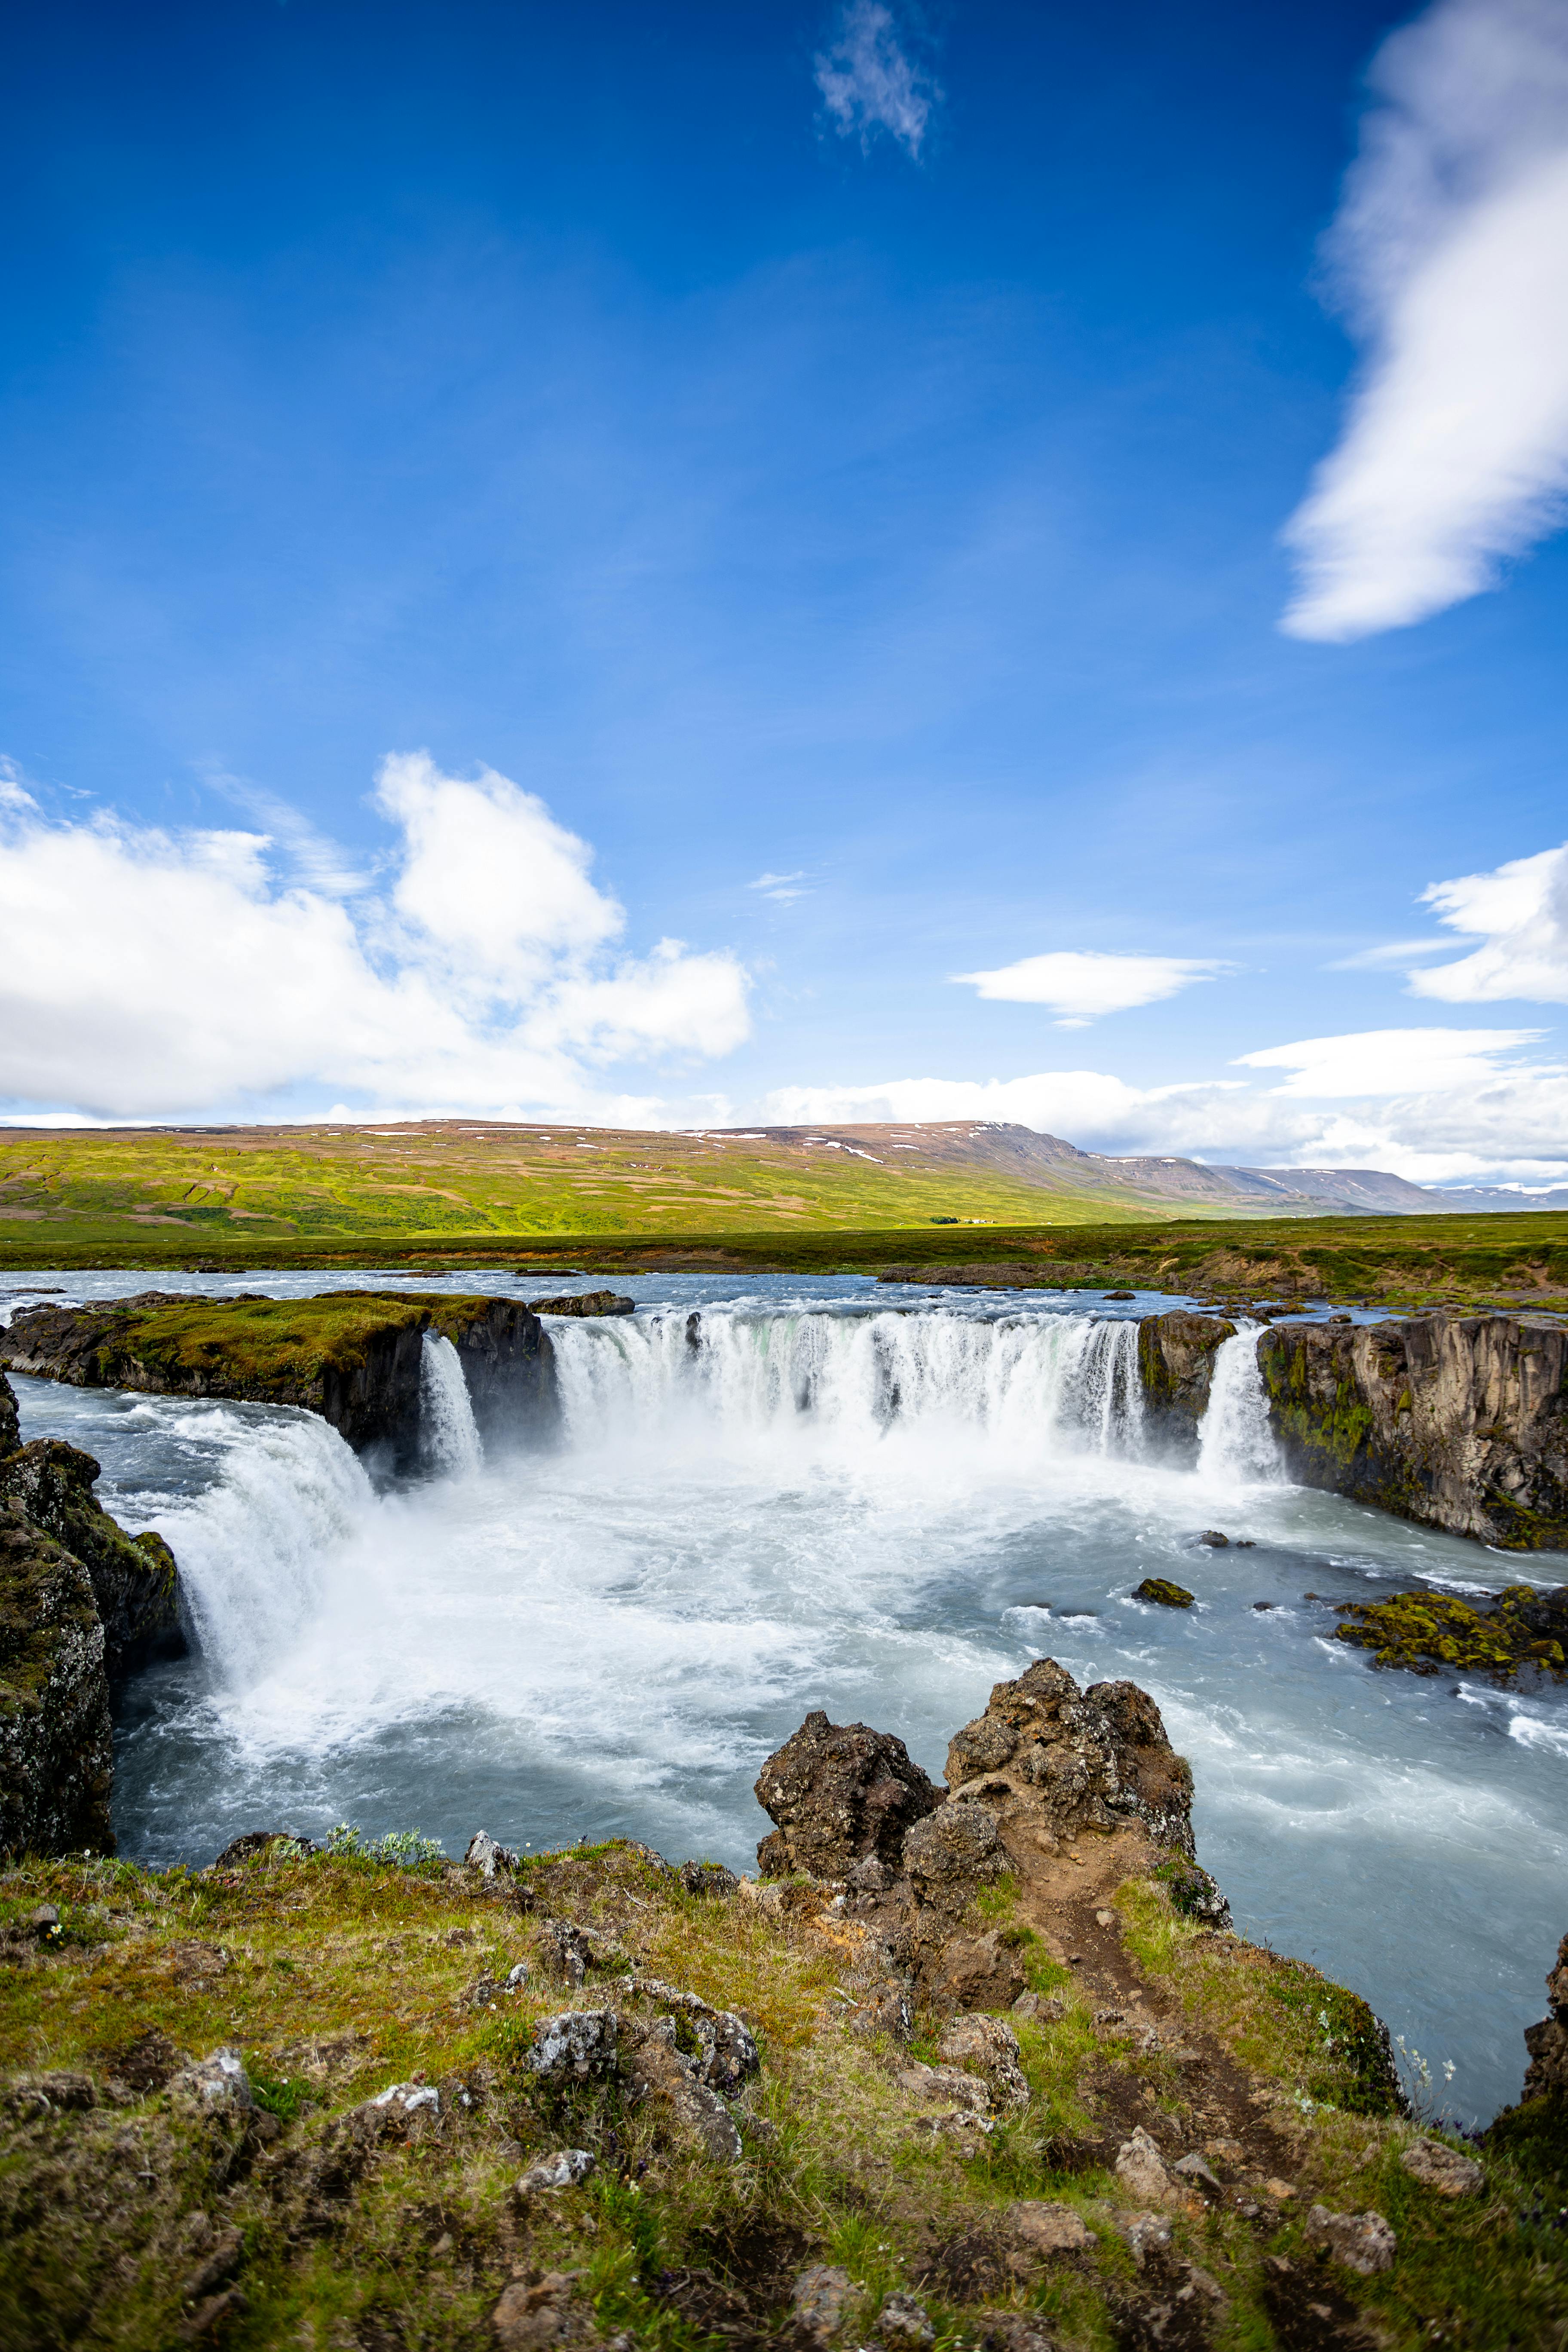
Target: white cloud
(1388, 1061)
(1450, 253)
(782, 888)
(1457, 1105)
(1520, 912)
(870, 84)
(149, 973)
(1392, 951)
(1081, 986)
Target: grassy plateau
(440, 1197)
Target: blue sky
(590, 562)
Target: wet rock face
(56, 1753)
(10, 1420)
(1175, 1364)
(1547, 2042)
(134, 1577)
(841, 1794)
(1457, 1422)
(509, 1368)
(1048, 1760)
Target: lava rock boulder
(840, 1794)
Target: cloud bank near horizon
(1437, 1105)
(1449, 256)
(153, 973)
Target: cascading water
(1236, 1444)
(259, 1539)
(449, 1434)
(841, 1384)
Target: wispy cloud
(1520, 914)
(1390, 952)
(782, 888)
(1080, 985)
(1450, 256)
(870, 82)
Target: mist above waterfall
(811, 1495)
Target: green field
(442, 1197)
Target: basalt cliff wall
(1175, 1365)
(81, 1602)
(1457, 1422)
(355, 1357)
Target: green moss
(1160, 1590)
(1430, 1633)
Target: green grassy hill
(203, 1189)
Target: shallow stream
(834, 1494)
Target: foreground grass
(339, 1975)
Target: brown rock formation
(1048, 1780)
(1049, 1761)
(843, 1796)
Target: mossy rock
(1433, 1632)
(1160, 1590)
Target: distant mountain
(1052, 1165)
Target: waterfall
(450, 1435)
(1041, 1384)
(1236, 1444)
(255, 1545)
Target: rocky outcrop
(10, 1420)
(134, 1577)
(355, 1357)
(1047, 1764)
(1049, 1761)
(80, 1603)
(1175, 1364)
(843, 1796)
(56, 1753)
(1458, 1422)
(1547, 2042)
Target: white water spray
(1236, 1444)
(447, 1428)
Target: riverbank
(1401, 1265)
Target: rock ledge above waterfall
(353, 1356)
